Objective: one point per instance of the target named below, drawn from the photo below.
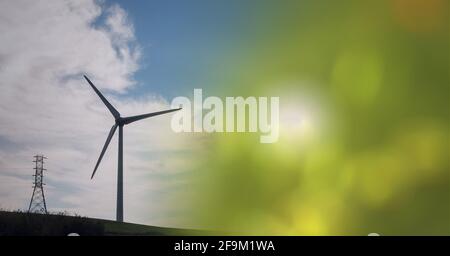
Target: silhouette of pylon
(37, 202)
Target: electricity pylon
(37, 202)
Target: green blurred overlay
(364, 139)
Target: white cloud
(46, 107)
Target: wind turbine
(120, 122)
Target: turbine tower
(119, 122)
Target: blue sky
(182, 41)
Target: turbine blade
(130, 119)
(111, 133)
(113, 111)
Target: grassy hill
(32, 224)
